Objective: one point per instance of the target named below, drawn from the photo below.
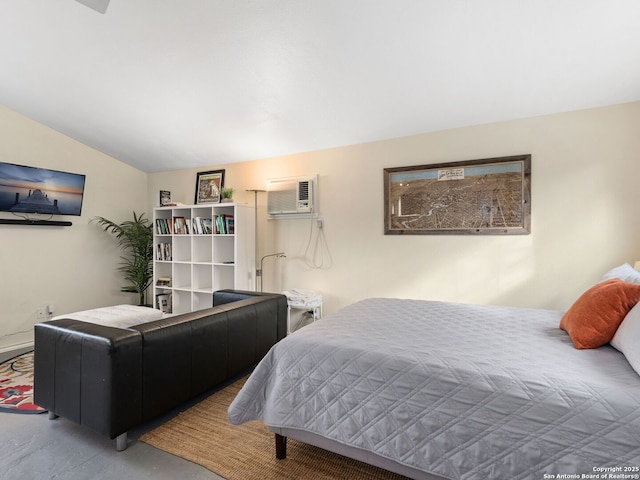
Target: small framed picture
(163, 301)
(208, 186)
(165, 198)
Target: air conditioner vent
(303, 190)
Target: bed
(446, 390)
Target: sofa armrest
(222, 297)
(90, 374)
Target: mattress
(455, 390)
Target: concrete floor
(34, 447)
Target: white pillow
(624, 272)
(627, 338)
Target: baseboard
(16, 347)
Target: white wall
(585, 172)
(73, 267)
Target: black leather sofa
(113, 379)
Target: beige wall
(73, 267)
(585, 172)
(584, 197)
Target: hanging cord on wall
(317, 254)
(30, 218)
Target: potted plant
(136, 241)
(226, 193)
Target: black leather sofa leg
(121, 442)
(52, 416)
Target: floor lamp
(255, 236)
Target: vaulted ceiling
(171, 84)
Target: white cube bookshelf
(197, 261)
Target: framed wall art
(486, 196)
(208, 186)
(165, 198)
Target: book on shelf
(224, 224)
(163, 282)
(163, 226)
(196, 225)
(202, 226)
(229, 224)
(180, 226)
(163, 251)
(207, 226)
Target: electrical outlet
(41, 313)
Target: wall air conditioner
(291, 196)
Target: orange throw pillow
(593, 319)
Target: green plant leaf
(135, 238)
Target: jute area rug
(204, 436)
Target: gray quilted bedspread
(456, 390)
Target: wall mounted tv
(25, 190)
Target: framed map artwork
(488, 196)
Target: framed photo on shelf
(487, 196)
(165, 198)
(208, 186)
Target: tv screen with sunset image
(25, 190)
